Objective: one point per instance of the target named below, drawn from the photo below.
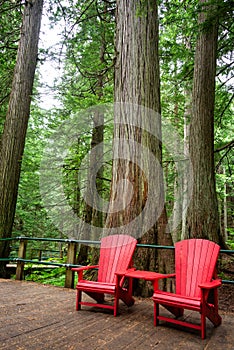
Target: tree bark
(15, 127)
(93, 215)
(203, 216)
(135, 179)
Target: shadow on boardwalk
(35, 316)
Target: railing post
(40, 255)
(20, 264)
(71, 257)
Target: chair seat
(177, 300)
(92, 286)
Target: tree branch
(228, 145)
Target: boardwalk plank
(34, 316)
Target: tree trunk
(93, 214)
(203, 216)
(185, 194)
(176, 217)
(13, 138)
(137, 196)
(225, 215)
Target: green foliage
(54, 276)
(31, 218)
(87, 81)
(10, 21)
(230, 241)
(89, 56)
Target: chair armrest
(82, 268)
(168, 275)
(120, 276)
(165, 275)
(210, 285)
(123, 272)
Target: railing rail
(72, 244)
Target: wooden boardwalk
(35, 316)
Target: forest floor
(226, 291)
(34, 316)
(226, 298)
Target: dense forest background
(85, 61)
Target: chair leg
(203, 325)
(156, 313)
(126, 297)
(212, 313)
(78, 299)
(116, 306)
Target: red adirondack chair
(116, 254)
(196, 285)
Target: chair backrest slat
(115, 254)
(195, 262)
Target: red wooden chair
(196, 285)
(116, 254)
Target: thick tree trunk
(13, 138)
(203, 216)
(137, 196)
